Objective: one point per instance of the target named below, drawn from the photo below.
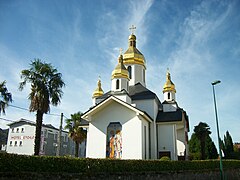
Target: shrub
(165, 158)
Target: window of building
(144, 75)
(10, 143)
(12, 130)
(168, 95)
(130, 71)
(66, 138)
(17, 130)
(55, 136)
(22, 130)
(15, 144)
(117, 84)
(45, 133)
(20, 143)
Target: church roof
(107, 102)
(110, 93)
(170, 116)
(139, 92)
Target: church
(129, 121)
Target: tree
(195, 148)
(76, 133)
(210, 150)
(46, 88)
(5, 97)
(228, 145)
(202, 130)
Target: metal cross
(133, 28)
(120, 51)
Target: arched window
(130, 71)
(143, 75)
(117, 84)
(169, 95)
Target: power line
(7, 120)
(51, 114)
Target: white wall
(123, 84)
(27, 137)
(137, 74)
(131, 132)
(151, 107)
(167, 139)
(145, 142)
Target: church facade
(129, 121)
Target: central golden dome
(120, 71)
(169, 85)
(133, 55)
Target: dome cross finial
(132, 28)
(120, 51)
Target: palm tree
(5, 97)
(76, 133)
(46, 88)
(202, 131)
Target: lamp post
(219, 146)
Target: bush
(165, 158)
(35, 164)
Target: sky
(199, 41)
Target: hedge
(22, 163)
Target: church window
(143, 75)
(117, 84)
(130, 71)
(168, 95)
(114, 141)
(145, 142)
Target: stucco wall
(166, 139)
(131, 132)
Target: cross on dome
(120, 51)
(133, 28)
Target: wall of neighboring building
(21, 139)
(131, 132)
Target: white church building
(129, 121)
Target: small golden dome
(169, 85)
(98, 91)
(120, 70)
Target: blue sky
(199, 41)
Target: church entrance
(114, 141)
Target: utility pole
(59, 137)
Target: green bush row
(21, 163)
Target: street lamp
(219, 146)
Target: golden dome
(133, 55)
(98, 91)
(120, 71)
(169, 85)
(132, 37)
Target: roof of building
(111, 97)
(25, 121)
(170, 116)
(139, 92)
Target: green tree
(228, 145)
(202, 130)
(210, 150)
(5, 97)
(195, 148)
(76, 133)
(46, 88)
